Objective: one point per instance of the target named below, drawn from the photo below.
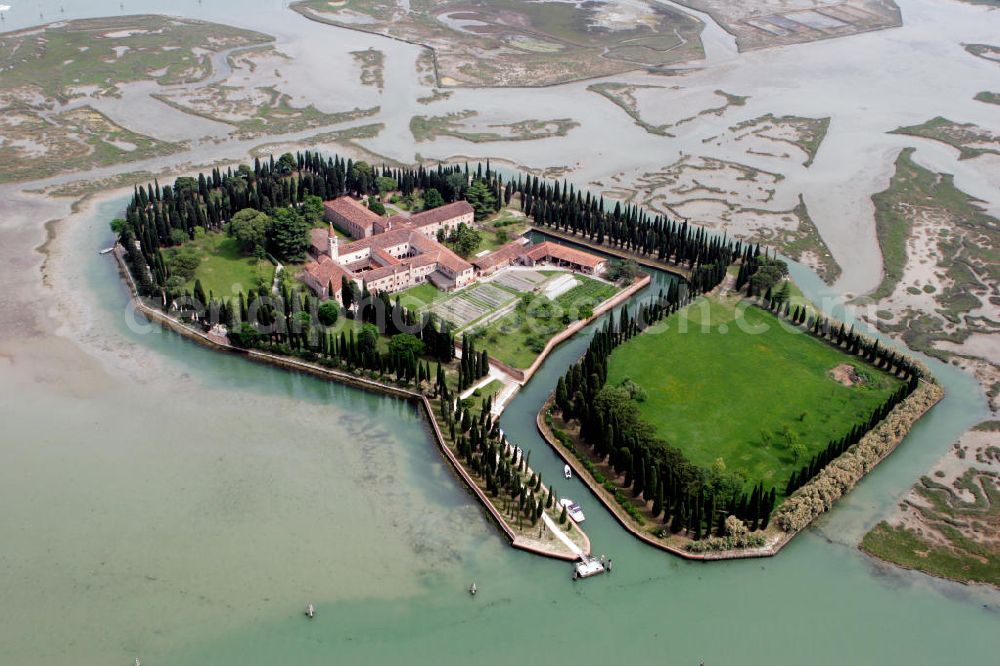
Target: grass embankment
(808, 132)
(988, 97)
(519, 337)
(428, 128)
(272, 113)
(905, 548)
(909, 183)
(807, 243)
(956, 537)
(968, 139)
(623, 95)
(734, 383)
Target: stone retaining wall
(347, 378)
(892, 430)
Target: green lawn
(517, 338)
(224, 267)
(490, 389)
(500, 230)
(491, 239)
(416, 298)
(730, 390)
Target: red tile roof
(563, 253)
(325, 271)
(502, 256)
(441, 214)
(352, 210)
(319, 240)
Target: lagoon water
(169, 502)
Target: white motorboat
(573, 510)
(310, 611)
(567, 471)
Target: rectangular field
(519, 337)
(522, 281)
(472, 304)
(737, 384)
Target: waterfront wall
(803, 506)
(522, 375)
(219, 344)
(619, 514)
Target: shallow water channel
(182, 505)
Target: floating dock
(589, 566)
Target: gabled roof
(550, 249)
(327, 270)
(352, 210)
(319, 239)
(441, 214)
(506, 254)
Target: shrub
(843, 473)
(328, 313)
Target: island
(715, 418)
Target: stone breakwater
(844, 472)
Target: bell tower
(332, 240)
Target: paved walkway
(561, 535)
(501, 397)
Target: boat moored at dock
(573, 510)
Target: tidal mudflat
(144, 567)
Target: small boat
(567, 472)
(473, 589)
(587, 567)
(137, 662)
(310, 611)
(573, 510)
(106, 250)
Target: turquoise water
(185, 505)
(338, 497)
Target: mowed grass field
(223, 267)
(716, 388)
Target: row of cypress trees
(488, 455)
(836, 447)
(651, 469)
(211, 199)
(563, 208)
(473, 365)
